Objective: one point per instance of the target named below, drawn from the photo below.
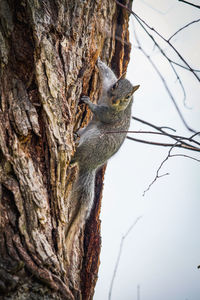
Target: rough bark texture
(48, 51)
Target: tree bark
(48, 51)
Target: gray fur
(102, 138)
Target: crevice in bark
(10, 207)
(121, 55)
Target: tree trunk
(48, 51)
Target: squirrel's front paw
(85, 99)
(76, 137)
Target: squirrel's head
(120, 94)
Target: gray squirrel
(101, 139)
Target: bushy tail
(83, 192)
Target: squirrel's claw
(76, 136)
(85, 99)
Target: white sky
(162, 252)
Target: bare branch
(157, 172)
(165, 83)
(180, 29)
(143, 24)
(187, 156)
(119, 255)
(182, 141)
(175, 137)
(150, 142)
(161, 144)
(178, 138)
(186, 2)
(187, 67)
(194, 135)
(167, 127)
(163, 162)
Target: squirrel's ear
(135, 88)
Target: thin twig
(142, 23)
(167, 127)
(150, 142)
(119, 255)
(168, 90)
(175, 137)
(195, 134)
(163, 144)
(165, 83)
(186, 2)
(172, 136)
(170, 61)
(180, 29)
(169, 155)
(187, 156)
(158, 170)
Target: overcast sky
(162, 252)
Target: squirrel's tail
(83, 192)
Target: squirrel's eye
(115, 101)
(127, 97)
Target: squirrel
(100, 139)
